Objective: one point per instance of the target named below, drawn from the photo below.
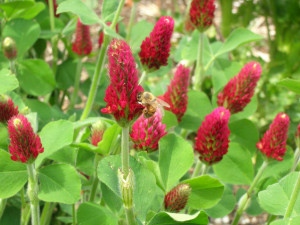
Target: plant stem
(95, 179)
(33, 194)
(271, 218)
(54, 38)
(143, 77)
(131, 20)
(296, 159)
(125, 151)
(226, 8)
(116, 17)
(2, 206)
(45, 213)
(205, 169)
(196, 169)
(76, 84)
(245, 199)
(199, 71)
(130, 216)
(74, 214)
(25, 215)
(293, 199)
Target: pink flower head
(239, 90)
(146, 133)
(177, 198)
(176, 95)
(83, 43)
(273, 144)
(25, 145)
(9, 48)
(121, 94)
(54, 7)
(7, 109)
(155, 49)
(213, 136)
(101, 34)
(202, 13)
(97, 132)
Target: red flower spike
(83, 43)
(146, 133)
(177, 198)
(121, 94)
(273, 144)
(239, 90)
(7, 109)
(97, 132)
(176, 95)
(213, 136)
(54, 7)
(25, 145)
(9, 48)
(101, 34)
(155, 49)
(202, 13)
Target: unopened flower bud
(127, 185)
(7, 109)
(9, 48)
(177, 198)
(25, 111)
(97, 132)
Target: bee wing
(161, 110)
(162, 103)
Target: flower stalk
(125, 150)
(293, 199)
(199, 71)
(54, 39)
(196, 169)
(131, 20)
(76, 84)
(95, 179)
(33, 194)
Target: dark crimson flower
(213, 136)
(101, 34)
(273, 144)
(9, 48)
(97, 132)
(121, 94)
(202, 13)
(155, 49)
(146, 133)
(177, 198)
(7, 109)
(176, 95)
(54, 7)
(25, 145)
(239, 90)
(83, 43)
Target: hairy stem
(33, 194)
(95, 179)
(197, 169)
(293, 199)
(132, 16)
(125, 151)
(76, 84)
(199, 71)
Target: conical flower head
(25, 145)
(212, 140)
(177, 198)
(156, 48)
(97, 132)
(146, 133)
(83, 43)
(202, 13)
(273, 143)
(176, 95)
(239, 90)
(101, 34)
(54, 7)
(7, 109)
(121, 94)
(9, 48)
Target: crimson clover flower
(239, 90)
(101, 34)
(9, 48)
(202, 13)
(7, 109)
(176, 95)
(177, 198)
(273, 143)
(97, 132)
(121, 94)
(25, 145)
(212, 140)
(156, 48)
(82, 44)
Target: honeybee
(151, 103)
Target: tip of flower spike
(17, 122)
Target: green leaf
(238, 162)
(108, 8)
(78, 7)
(92, 214)
(8, 82)
(283, 191)
(43, 110)
(15, 7)
(24, 32)
(59, 183)
(140, 31)
(292, 85)
(224, 207)
(169, 119)
(289, 221)
(176, 218)
(198, 107)
(112, 200)
(36, 77)
(176, 156)
(84, 161)
(13, 175)
(144, 182)
(109, 138)
(31, 12)
(54, 136)
(65, 74)
(236, 38)
(206, 192)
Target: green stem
(143, 77)
(45, 213)
(53, 39)
(76, 84)
(205, 169)
(197, 169)
(125, 151)
(271, 218)
(245, 199)
(296, 159)
(22, 198)
(293, 199)
(74, 214)
(130, 216)
(95, 179)
(25, 215)
(2, 206)
(199, 71)
(116, 17)
(226, 8)
(33, 194)
(132, 16)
